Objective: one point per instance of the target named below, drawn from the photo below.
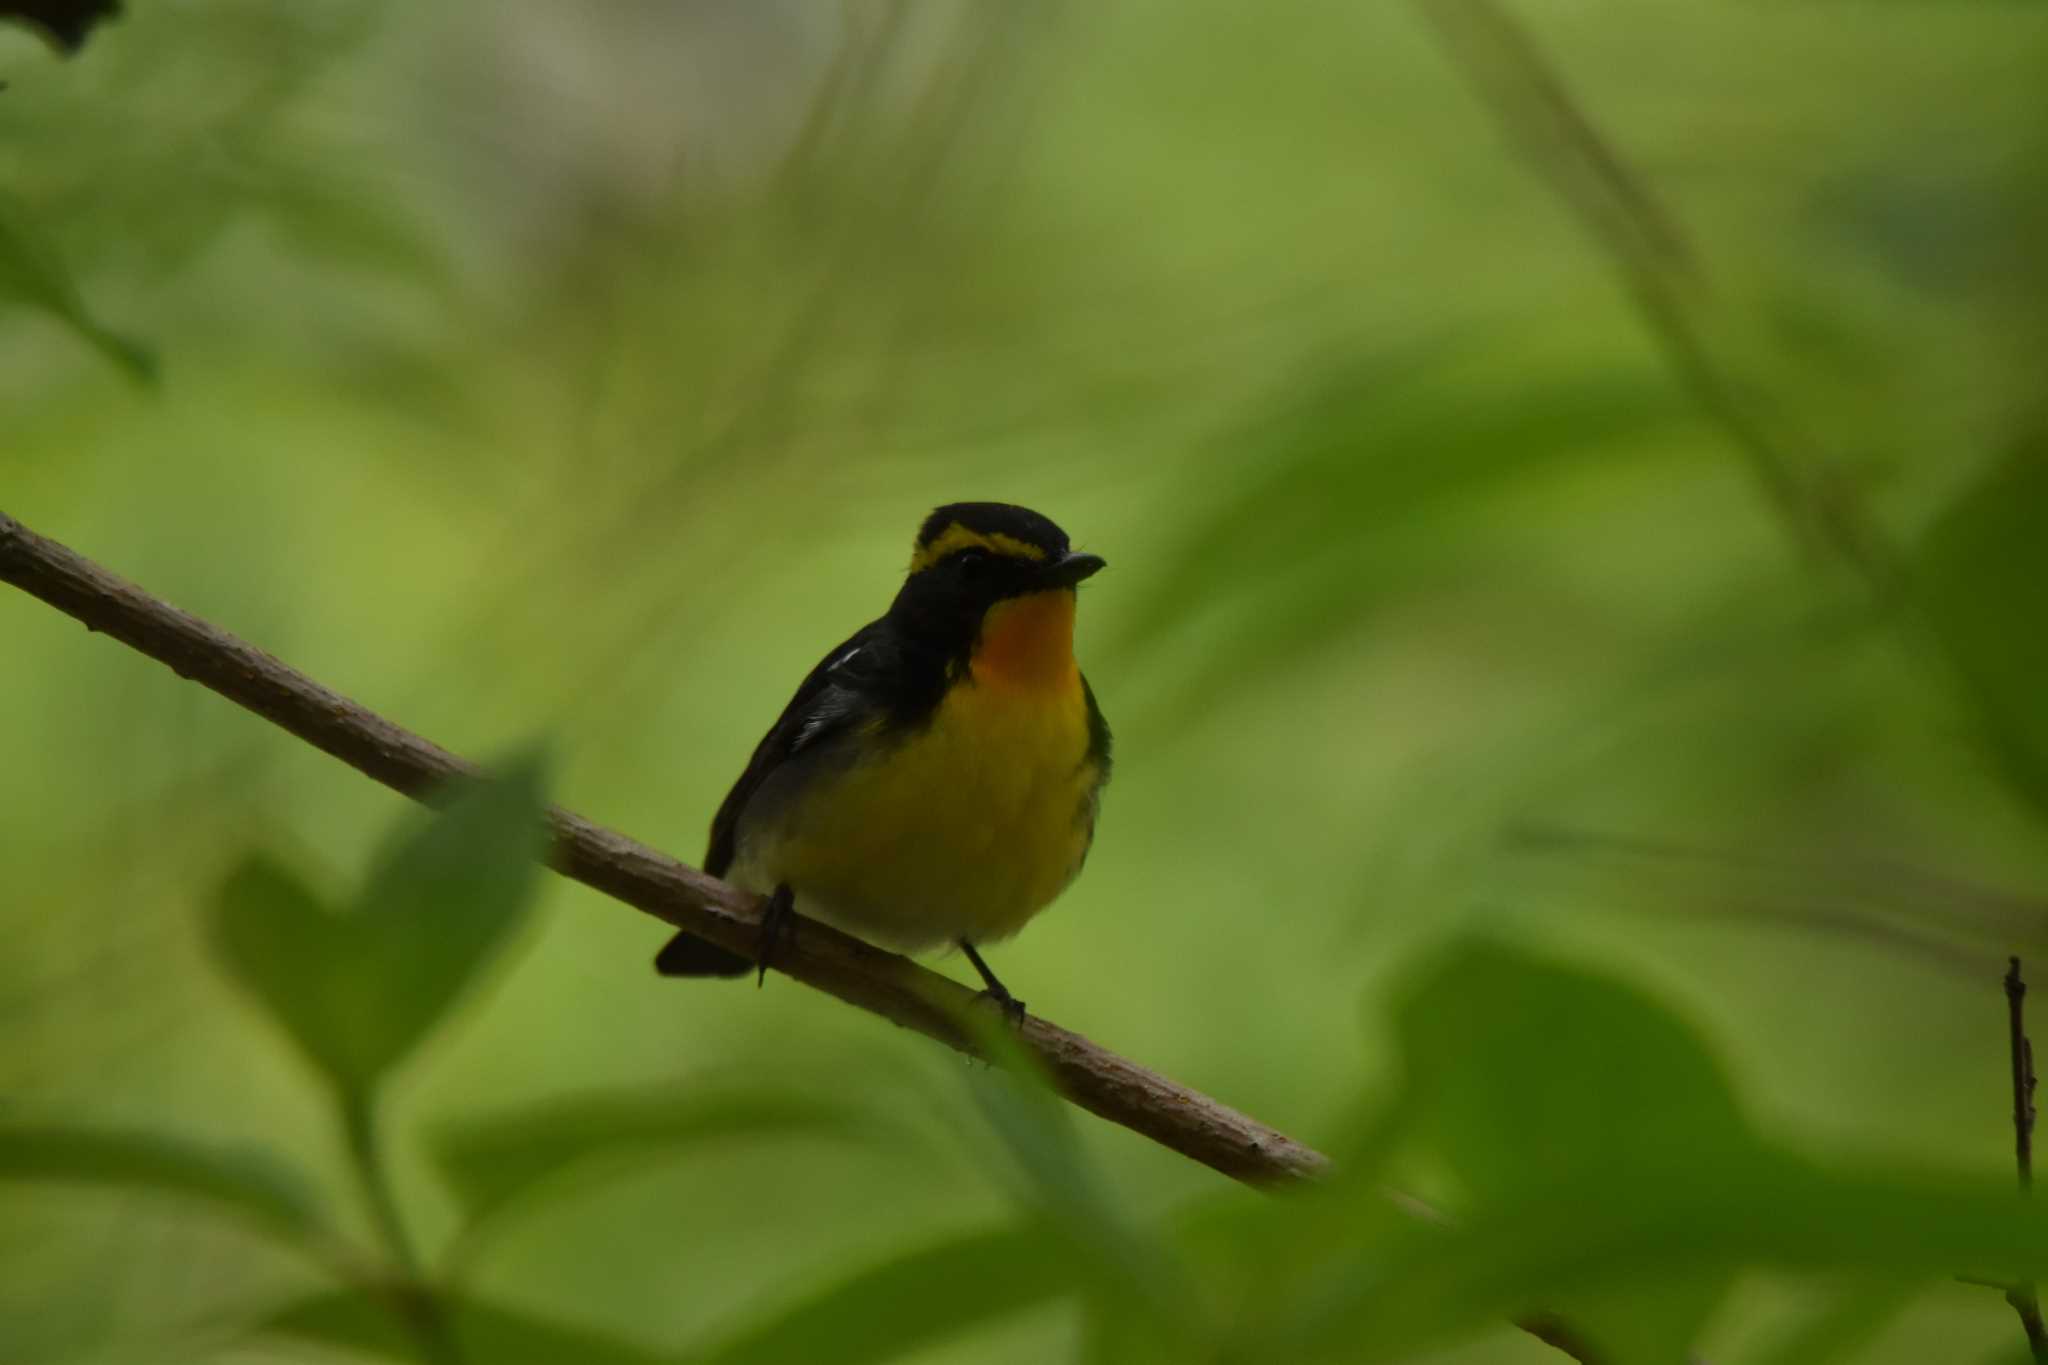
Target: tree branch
(883, 983)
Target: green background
(581, 373)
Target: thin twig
(2022, 1073)
(2022, 1297)
(1857, 896)
(1536, 110)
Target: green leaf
(1981, 572)
(447, 895)
(1523, 1075)
(245, 1183)
(298, 958)
(480, 1332)
(494, 1161)
(32, 271)
(1605, 1179)
(359, 991)
(914, 1300)
(1604, 1238)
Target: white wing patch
(834, 705)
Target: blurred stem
(1537, 111)
(413, 1299)
(366, 1153)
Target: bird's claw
(1010, 1005)
(778, 927)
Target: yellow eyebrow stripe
(959, 537)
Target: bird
(935, 780)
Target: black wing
(1099, 743)
(832, 695)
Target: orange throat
(1028, 643)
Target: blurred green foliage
(32, 272)
(1522, 795)
(1984, 564)
(358, 991)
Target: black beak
(1071, 569)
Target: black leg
(778, 926)
(1008, 1003)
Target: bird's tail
(688, 955)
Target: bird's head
(993, 586)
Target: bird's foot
(1010, 1005)
(778, 927)
(996, 994)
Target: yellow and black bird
(935, 779)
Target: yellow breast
(967, 826)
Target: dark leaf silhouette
(65, 23)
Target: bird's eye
(972, 563)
